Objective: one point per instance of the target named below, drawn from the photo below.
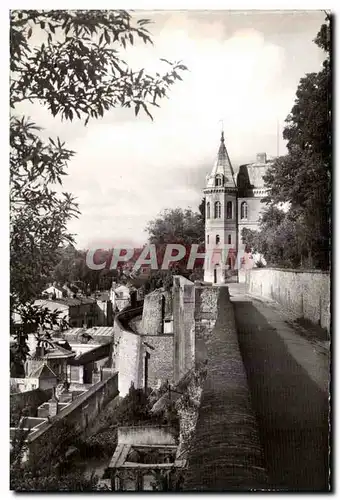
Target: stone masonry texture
(226, 453)
(306, 293)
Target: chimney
(39, 351)
(53, 404)
(261, 158)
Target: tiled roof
(76, 302)
(95, 331)
(44, 371)
(97, 334)
(58, 352)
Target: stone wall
(194, 316)
(30, 400)
(127, 357)
(153, 310)
(160, 365)
(226, 454)
(305, 293)
(206, 300)
(183, 326)
(80, 413)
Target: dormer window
(218, 180)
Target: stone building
(233, 202)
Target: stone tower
(221, 218)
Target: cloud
(128, 169)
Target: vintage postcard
(170, 246)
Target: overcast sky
(244, 69)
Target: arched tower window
(217, 239)
(229, 210)
(208, 238)
(217, 210)
(229, 239)
(208, 210)
(219, 180)
(244, 210)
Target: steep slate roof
(44, 371)
(222, 166)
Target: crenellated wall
(304, 293)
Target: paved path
(288, 380)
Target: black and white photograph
(170, 244)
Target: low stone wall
(305, 293)
(29, 400)
(80, 413)
(226, 454)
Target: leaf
(147, 111)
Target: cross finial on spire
(222, 130)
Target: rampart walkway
(288, 380)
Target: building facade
(233, 202)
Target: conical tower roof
(222, 166)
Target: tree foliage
(281, 239)
(71, 63)
(176, 226)
(302, 178)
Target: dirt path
(288, 379)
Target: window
(217, 210)
(208, 210)
(229, 239)
(208, 238)
(244, 210)
(229, 210)
(217, 239)
(218, 180)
